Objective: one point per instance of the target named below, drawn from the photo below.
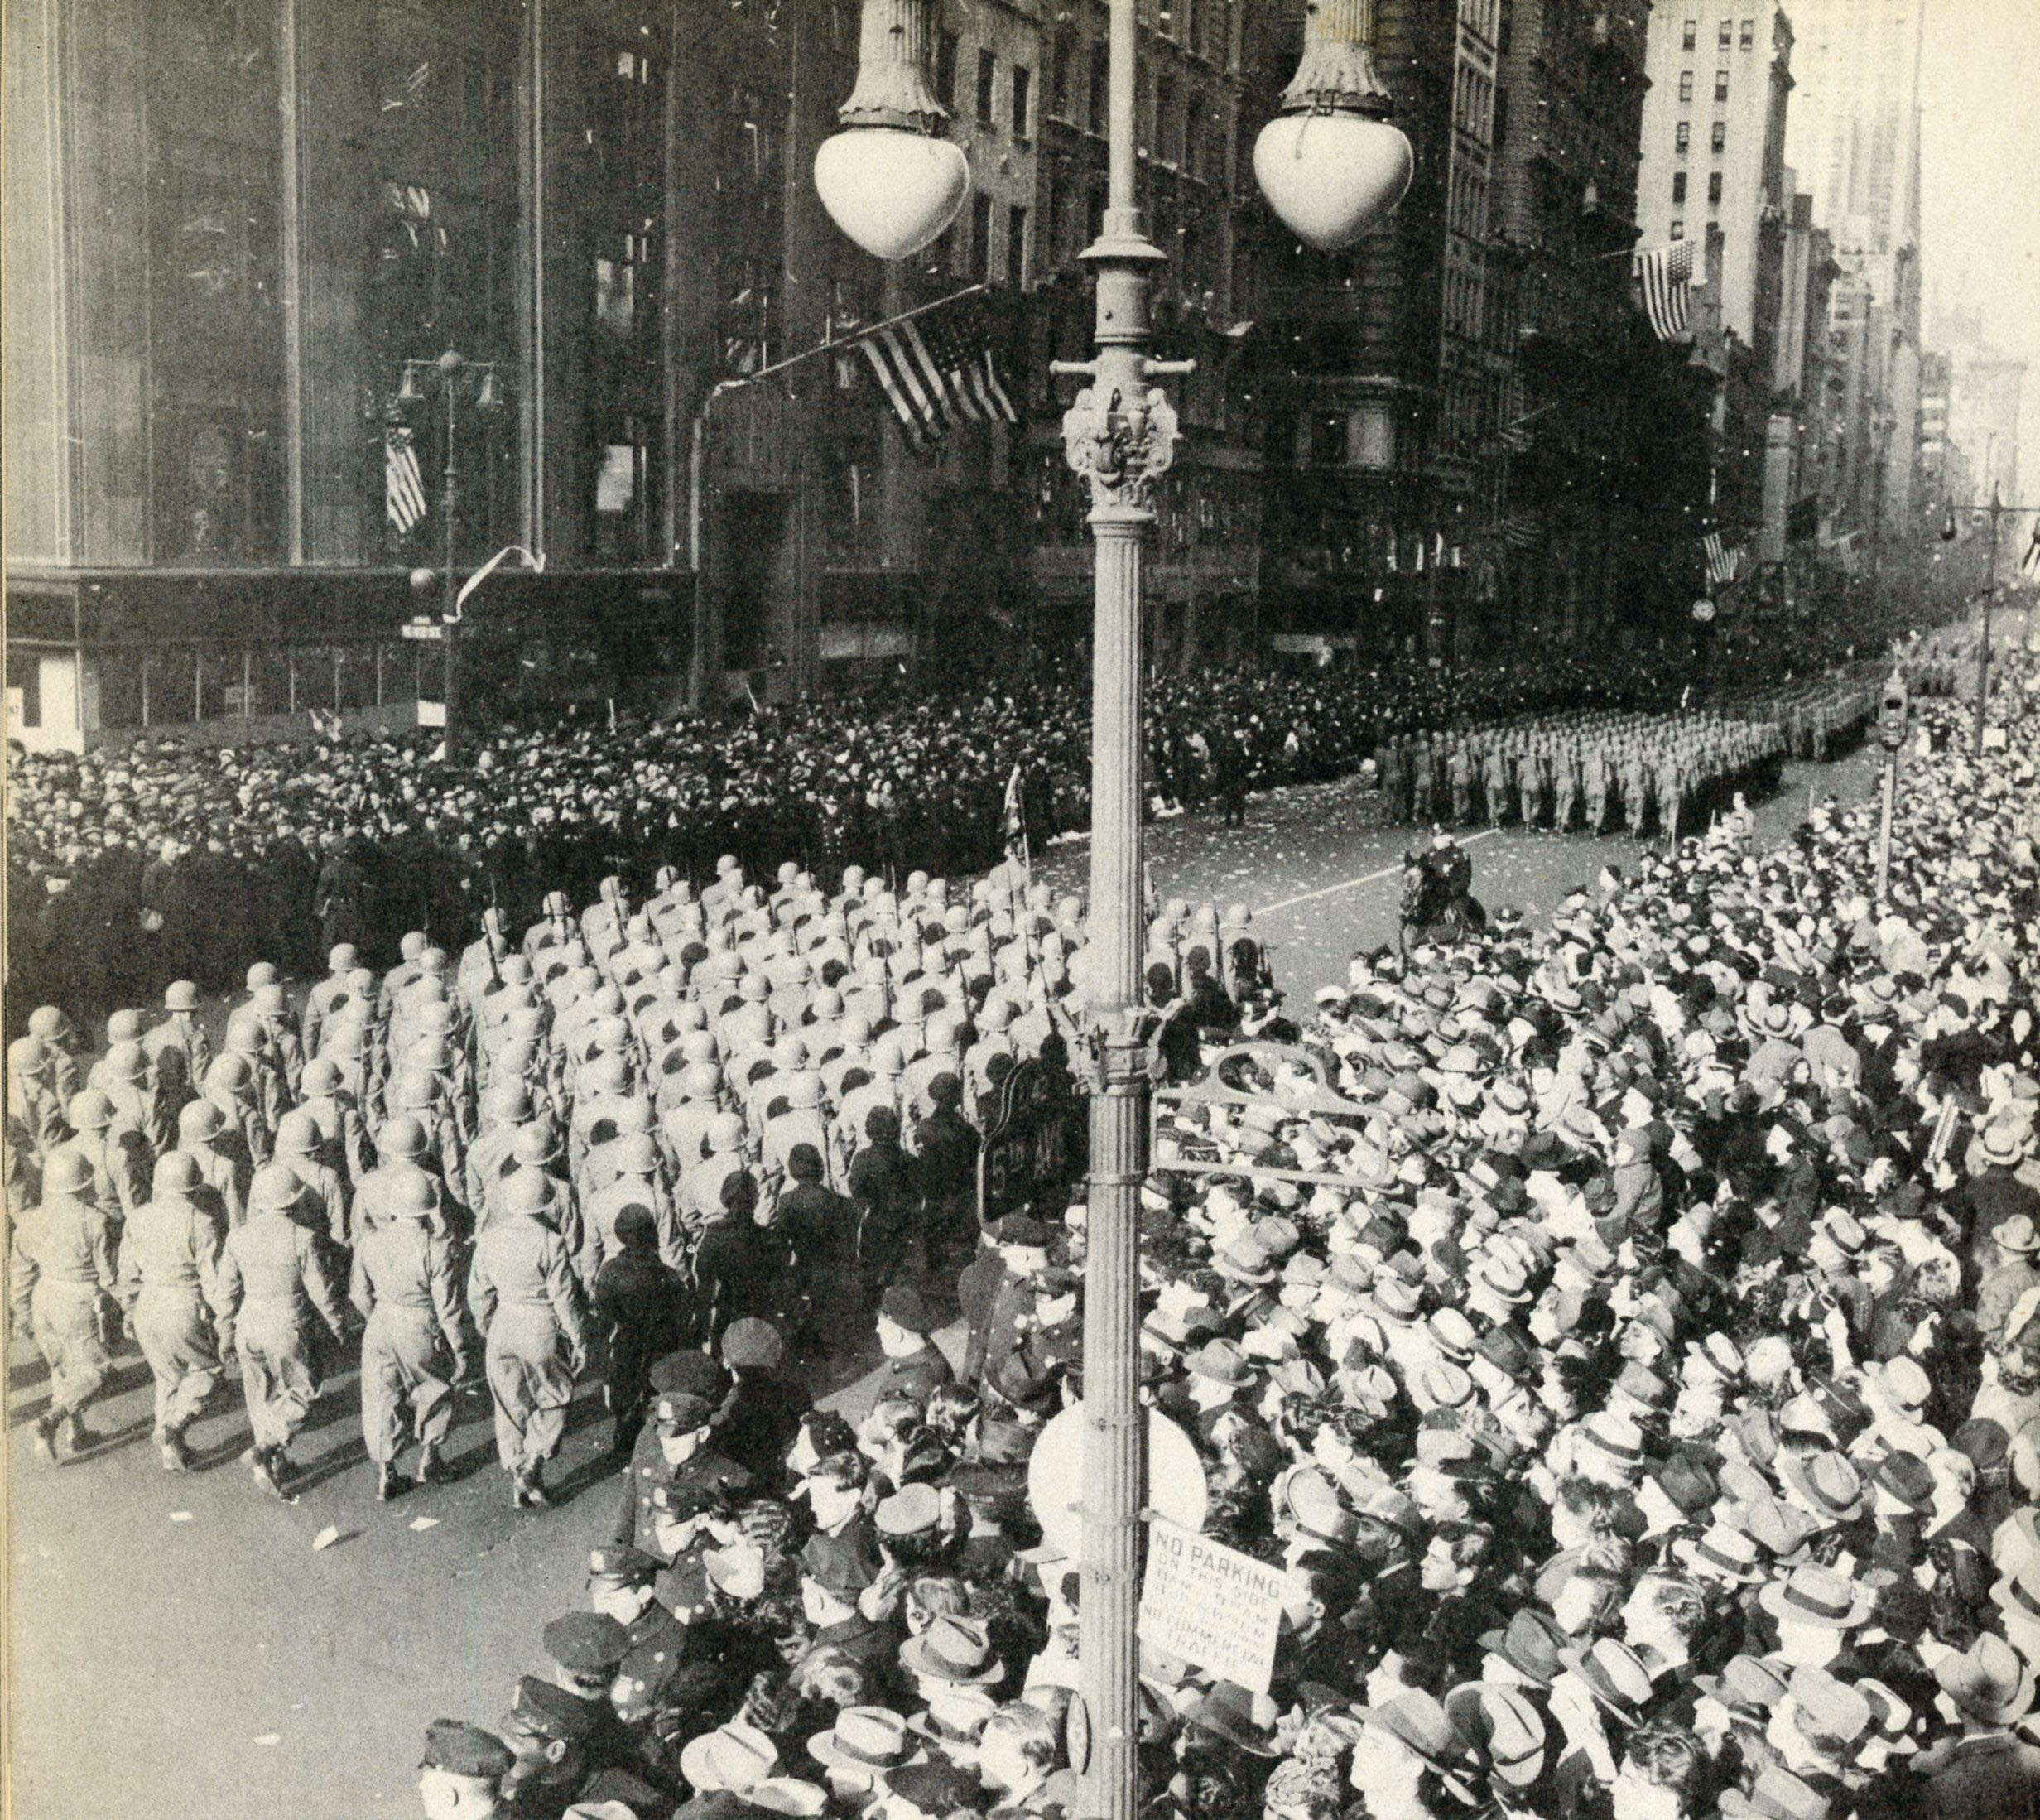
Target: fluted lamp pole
(1331, 168)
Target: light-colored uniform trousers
(406, 1284)
(528, 1302)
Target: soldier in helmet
(170, 1285)
(223, 1164)
(60, 1288)
(527, 1303)
(118, 1160)
(326, 997)
(406, 1285)
(273, 1278)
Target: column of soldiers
(630, 1129)
(1598, 772)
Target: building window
(1692, 36)
(1679, 230)
(1056, 50)
(1714, 188)
(1017, 247)
(1720, 85)
(1167, 146)
(1683, 138)
(1720, 137)
(981, 236)
(1099, 101)
(1726, 36)
(988, 82)
(1685, 85)
(1749, 34)
(1678, 186)
(945, 69)
(1022, 101)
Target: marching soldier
(527, 1303)
(170, 1285)
(61, 1289)
(273, 1277)
(406, 1285)
(178, 1048)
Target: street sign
(1212, 1606)
(432, 714)
(429, 631)
(1034, 1145)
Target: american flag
(2029, 564)
(1724, 565)
(939, 370)
(403, 487)
(1665, 273)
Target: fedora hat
(956, 1650)
(868, 1738)
(1530, 1643)
(1777, 1795)
(1420, 1722)
(1504, 1729)
(1825, 1484)
(1990, 1681)
(1222, 1362)
(1752, 1682)
(788, 1795)
(1228, 1711)
(1724, 1548)
(734, 1755)
(1614, 1675)
(1814, 1595)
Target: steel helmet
(432, 962)
(199, 1121)
(515, 971)
(790, 1054)
(701, 1081)
(47, 1022)
(263, 974)
(699, 1045)
(637, 1154)
(605, 1076)
(437, 1019)
(181, 995)
(611, 1034)
(996, 1014)
(322, 1075)
(411, 1197)
(360, 981)
(508, 1102)
(176, 1172)
(402, 1139)
(68, 1173)
(725, 1132)
(527, 1191)
(944, 1033)
(343, 957)
(754, 989)
(608, 1001)
(413, 945)
(414, 1090)
(753, 1027)
(298, 1133)
(536, 1144)
(886, 1056)
(428, 1054)
(90, 1110)
(123, 1027)
(856, 1029)
(269, 1001)
(127, 1061)
(827, 1005)
(276, 1187)
(803, 1091)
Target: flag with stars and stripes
(1724, 564)
(403, 486)
(1666, 274)
(938, 371)
(2029, 564)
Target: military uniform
(61, 1287)
(170, 1285)
(524, 1297)
(407, 1286)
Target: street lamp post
(1996, 509)
(449, 374)
(1332, 167)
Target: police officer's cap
(586, 1642)
(462, 1750)
(552, 1712)
(904, 1307)
(1020, 1228)
(621, 1567)
(681, 1413)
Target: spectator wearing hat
(702, 1485)
(2006, 1277)
(527, 1304)
(1991, 1769)
(621, 1585)
(1996, 1193)
(767, 1402)
(836, 1572)
(637, 1306)
(462, 1770)
(273, 1278)
(913, 1366)
(556, 1737)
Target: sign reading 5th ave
(1210, 1605)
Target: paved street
(181, 1648)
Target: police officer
(406, 1285)
(682, 1425)
(170, 1287)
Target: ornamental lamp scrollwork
(1122, 448)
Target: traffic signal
(1891, 713)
